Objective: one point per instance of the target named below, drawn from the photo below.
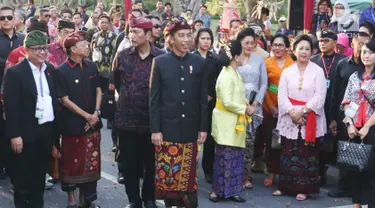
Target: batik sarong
(81, 163)
(299, 167)
(228, 171)
(177, 174)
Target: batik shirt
(103, 45)
(354, 93)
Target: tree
(180, 6)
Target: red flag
(128, 7)
(308, 13)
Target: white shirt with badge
(44, 108)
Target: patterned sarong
(177, 174)
(80, 161)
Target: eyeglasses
(47, 16)
(157, 26)
(275, 45)
(9, 17)
(40, 49)
(363, 34)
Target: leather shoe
(120, 178)
(133, 205)
(150, 204)
(237, 199)
(208, 179)
(338, 193)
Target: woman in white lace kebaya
(301, 96)
(254, 75)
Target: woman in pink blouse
(301, 96)
(360, 123)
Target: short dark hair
(6, 8)
(138, 1)
(198, 21)
(245, 33)
(284, 37)
(167, 4)
(265, 11)
(105, 16)
(43, 10)
(369, 26)
(146, 11)
(69, 11)
(203, 6)
(300, 38)
(31, 1)
(80, 15)
(203, 30)
(232, 21)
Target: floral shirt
(354, 93)
(103, 46)
(58, 52)
(131, 79)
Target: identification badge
(39, 108)
(328, 83)
(351, 110)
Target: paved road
(112, 195)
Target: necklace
(300, 81)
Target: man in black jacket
(10, 39)
(30, 109)
(178, 117)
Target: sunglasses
(9, 17)
(157, 26)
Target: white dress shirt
(43, 96)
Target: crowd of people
(257, 100)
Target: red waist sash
(310, 123)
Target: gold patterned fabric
(177, 173)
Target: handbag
(354, 156)
(56, 155)
(275, 139)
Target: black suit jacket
(20, 96)
(178, 97)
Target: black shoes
(150, 204)
(208, 179)
(134, 205)
(120, 178)
(338, 193)
(237, 199)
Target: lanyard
(328, 69)
(41, 84)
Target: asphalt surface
(112, 195)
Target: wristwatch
(349, 123)
(98, 111)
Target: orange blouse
(274, 74)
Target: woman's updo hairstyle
(229, 51)
(300, 38)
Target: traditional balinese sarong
(299, 167)
(81, 163)
(228, 171)
(177, 174)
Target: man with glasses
(78, 87)
(328, 60)
(156, 31)
(30, 106)
(9, 40)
